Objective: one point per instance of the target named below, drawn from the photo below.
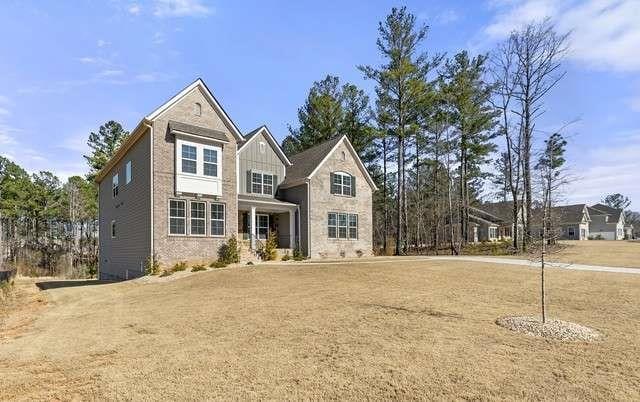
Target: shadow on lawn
(46, 285)
(428, 311)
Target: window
(177, 217)
(113, 229)
(114, 185)
(342, 225)
(189, 159)
(341, 184)
(493, 233)
(197, 110)
(353, 226)
(261, 183)
(217, 219)
(344, 156)
(127, 173)
(198, 219)
(210, 167)
(262, 146)
(572, 232)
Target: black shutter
(331, 183)
(248, 182)
(275, 184)
(353, 186)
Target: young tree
(400, 87)
(104, 145)
(474, 119)
(538, 49)
(550, 166)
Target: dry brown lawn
(601, 252)
(386, 330)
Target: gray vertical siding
(250, 158)
(298, 195)
(124, 256)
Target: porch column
(253, 227)
(292, 229)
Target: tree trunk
(384, 193)
(399, 194)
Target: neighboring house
(606, 222)
(628, 232)
(492, 221)
(186, 180)
(572, 222)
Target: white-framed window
(113, 229)
(217, 219)
(210, 162)
(261, 183)
(342, 225)
(353, 226)
(189, 159)
(127, 173)
(198, 221)
(493, 233)
(114, 185)
(177, 217)
(262, 146)
(341, 183)
(197, 109)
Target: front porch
(259, 217)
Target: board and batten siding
(299, 195)
(124, 256)
(251, 158)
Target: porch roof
(264, 204)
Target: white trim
(208, 95)
(152, 177)
(204, 219)
(283, 203)
(274, 144)
(355, 156)
(309, 243)
(112, 226)
(186, 217)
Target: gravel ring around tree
(552, 329)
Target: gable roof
(307, 162)
(274, 144)
(601, 209)
(146, 122)
(502, 210)
(198, 83)
(176, 127)
(567, 214)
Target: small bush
(218, 264)
(297, 254)
(342, 253)
(198, 267)
(359, 253)
(152, 266)
(179, 266)
(268, 252)
(229, 252)
(250, 263)
(166, 272)
(286, 257)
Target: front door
(262, 226)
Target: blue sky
(70, 66)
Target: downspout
(152, 177)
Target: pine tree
(104, 145)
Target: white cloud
(6, 139)
(134, 9)
(151, 77)
(102, 43)
(181, 8)
(605, 34)
(110, 73)
(4, 100)
(447, 17)
(611, 168)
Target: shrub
(218, 264)
(268, 252)
(342, 253)
(198, 267)
(286, 257)
(166, 272)
(179, 266)
(229, 253)
(297, 254)
(152, 266)
(359, 253)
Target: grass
(599, 252)
(383, 330)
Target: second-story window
(261, 183)
(342, 184)
(210, 162)
(189, 159)
(114, 185)
(127, 173)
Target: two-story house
(187, 179)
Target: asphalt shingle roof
(305, 162)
